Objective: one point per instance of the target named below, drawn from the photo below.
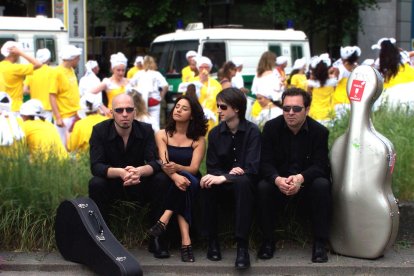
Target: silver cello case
(365, 213)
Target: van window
(216, 52)
(170, 56)
(277, 49)
(49, 43)
(296, 52)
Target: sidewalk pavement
(290, 259)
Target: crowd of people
(261, 155)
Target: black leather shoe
(243, 258)
(158, 249)
(319, 254)
(213, 251)
(266, 251)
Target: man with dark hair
(233, 158)
(295, 164)
(123, 164)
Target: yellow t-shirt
(13, 77)
(43, 139)
(65, 85)
(321, 105)
(340, 95)
(405, 75)
(82, 130)
(187, 74)
(14, 149)
(132, 71)
(299, 81)
(112, 89)
(39, 84)
(207, 99)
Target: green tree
(337, 20)
(146, 18)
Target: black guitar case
(83, 237)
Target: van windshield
(170, 56)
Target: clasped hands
(131, 175)
(289, 185)
(171, 169)
(208, 180)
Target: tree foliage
(146, 18)
(337, 19)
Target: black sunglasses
(295, 108)
(222, 106)
(121, 110)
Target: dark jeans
(243, 192)
(317, 199)
(105, 191)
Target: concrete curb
(287, 261)
(290, 259)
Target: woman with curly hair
(181, 148)
(226, 73)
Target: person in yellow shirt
(321, 86)
(11, 133)
(297, 77)
(64, 91)
(208, 91)
(13, 74)
(42, 137)
(189, 72)
(116, 84)
(138, 65)
(79, 138)
(37, 84)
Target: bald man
(123, 164)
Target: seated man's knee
(321, 185)
(264, 187)
(97, 184)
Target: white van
(34, 33)
(224, 44)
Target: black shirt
(227, 150)
(107, 147)
(284, 153)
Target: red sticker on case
(357, 89)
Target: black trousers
(243, 192)
(316, 197)
(152, 190)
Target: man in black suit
(295, 163)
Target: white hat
(70, 52)
(281, 60)
(118, 59)
(204, 60)
(378, 45)
(32, 107)
(299, 63)
(238, 61)
(348, 51)
(7, 45)
(369, 62)
(139, 59)
(89, 103)
(43, 55)
(323, 57)
(191, 54)
(5, 101)
(90, 65)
